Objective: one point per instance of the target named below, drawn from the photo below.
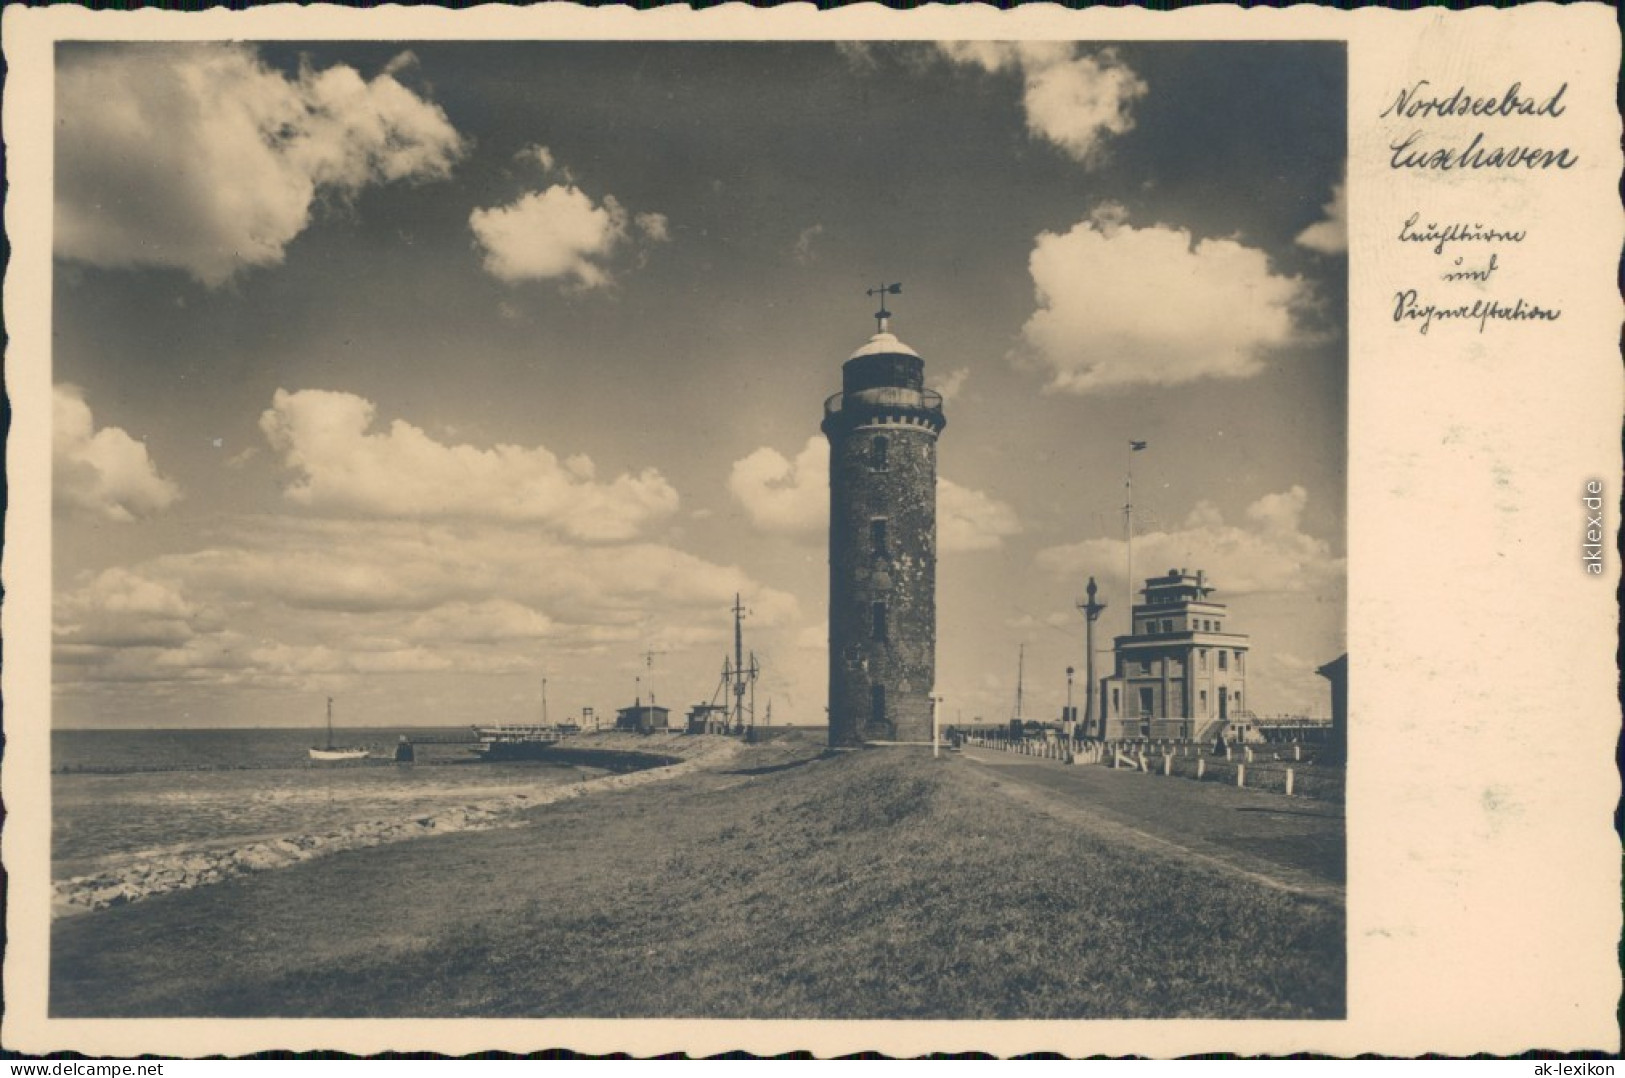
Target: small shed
(643, 718)
(708, 719)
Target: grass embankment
(780, 884)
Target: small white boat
(338, 754)
(331, 751)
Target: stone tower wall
(899, 572)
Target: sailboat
(331, 751)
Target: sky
(413, 374)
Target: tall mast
(1021, 670)
(1128, 528)
(649, 665)
(329, 722)
(544, 701)
(1128, 537)
(739, 663)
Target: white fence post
(1289, 782)
(1241, 774)
(1168, 764)
(1201, 767)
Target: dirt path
(1292, 845)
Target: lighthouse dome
(884, 344)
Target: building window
(877, 611)
(1147, 703)
(1202, 702)
(1167, 625)
(877, 453)
(1238, 662)
(877, 703)
(1224, 660)
(1117, 702)
(1201, 659)
(877, 537)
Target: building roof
(885, 344)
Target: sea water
(127, 796)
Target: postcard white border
(1484, 872)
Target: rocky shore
(178, 871)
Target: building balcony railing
(871, 401)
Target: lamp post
(1070, 725)
(1091, 613)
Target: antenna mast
(649, 664)
(1021, 670)
(740, 676)
(1128, 528)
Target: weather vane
(883, 291)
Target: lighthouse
(882, 429)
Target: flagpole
(1128, 536)
(1134, 447)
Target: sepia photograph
(812, 532)
(731, 529)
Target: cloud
(1077, 102)
(791, 497)
(654, 226)
(539, 154)
(1024, 621)
(550, 234)
(272, 602)
(859, 55)
(781, 495)
(1120, 306)
(200, 157)
(486, 621)
(971, 520)
(950, 386)
(1272, 554)
(813, 637)
(803, 249)
(560, 233)
(344, 466)
(105, 474)
(1331, 236)
(120, 608)
(1294, 685)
